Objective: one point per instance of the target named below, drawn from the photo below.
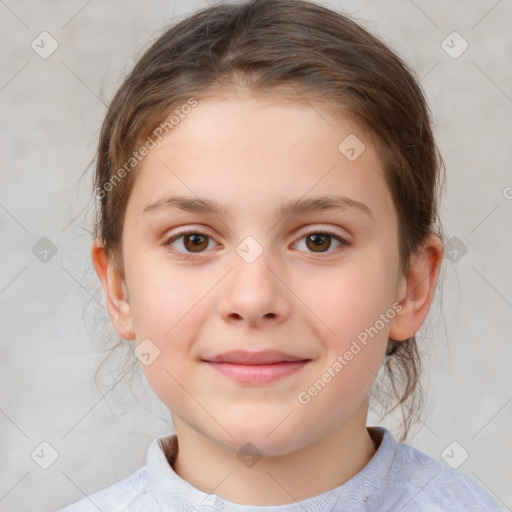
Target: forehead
(253, 154)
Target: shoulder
(430, 485)
(128, 495)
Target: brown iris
(319, 241)
(198, 242)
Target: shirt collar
(170, 490)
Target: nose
(254, 293)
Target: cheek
(353, 310)
(168, 308)
(357, 308)
(163, 297)
(170, 318)
(349, 299)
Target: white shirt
(397, 478)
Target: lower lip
(260, 373)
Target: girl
(268, 183)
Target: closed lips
(255, 358)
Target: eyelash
(191, 231)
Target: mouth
(256, 367)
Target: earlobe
(416, 291)
(115, 291)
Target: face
(310, 283)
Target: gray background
(53, 315)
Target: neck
(274, 480)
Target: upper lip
(262, 357)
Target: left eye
(197, 242)
(321, 240)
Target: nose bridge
(252, 262)
(253, 291)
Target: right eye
(193, 242)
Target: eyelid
(309, 229)
(319, 228)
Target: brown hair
(286, 49)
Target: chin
(261, 438)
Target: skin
(251, 153)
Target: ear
(115, 291)
(416, 291)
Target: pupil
(197, 241)
(319, 241)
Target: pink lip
(261, 357)
(256, 367)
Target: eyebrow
(290, 207)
